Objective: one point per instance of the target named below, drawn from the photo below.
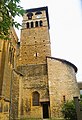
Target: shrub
(69, 111)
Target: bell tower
(35, 40)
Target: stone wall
(35, 80)
(35, 41)
(80, 85)
(2, 63)
(7, 60)
(7, 63)
(35, 46)
(15, 95)
(62, 84)
(6, 74)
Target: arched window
(11, 55)
(27, 24)
(29, 15)
(6, 108)
(38, 13)
(41, 23)
(36, 24)
(35, 99)
(32, 24)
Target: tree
(69, 110)
(9, 9)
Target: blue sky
(65, 18)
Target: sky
(65, 17)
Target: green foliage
(9, 9)
(69, 111)
(81, 102)
(81, 96)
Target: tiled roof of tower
(40, 9)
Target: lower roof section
(64, 61)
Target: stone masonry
(47, 82)
(32, 83)
(7, 63)
(62, 84)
